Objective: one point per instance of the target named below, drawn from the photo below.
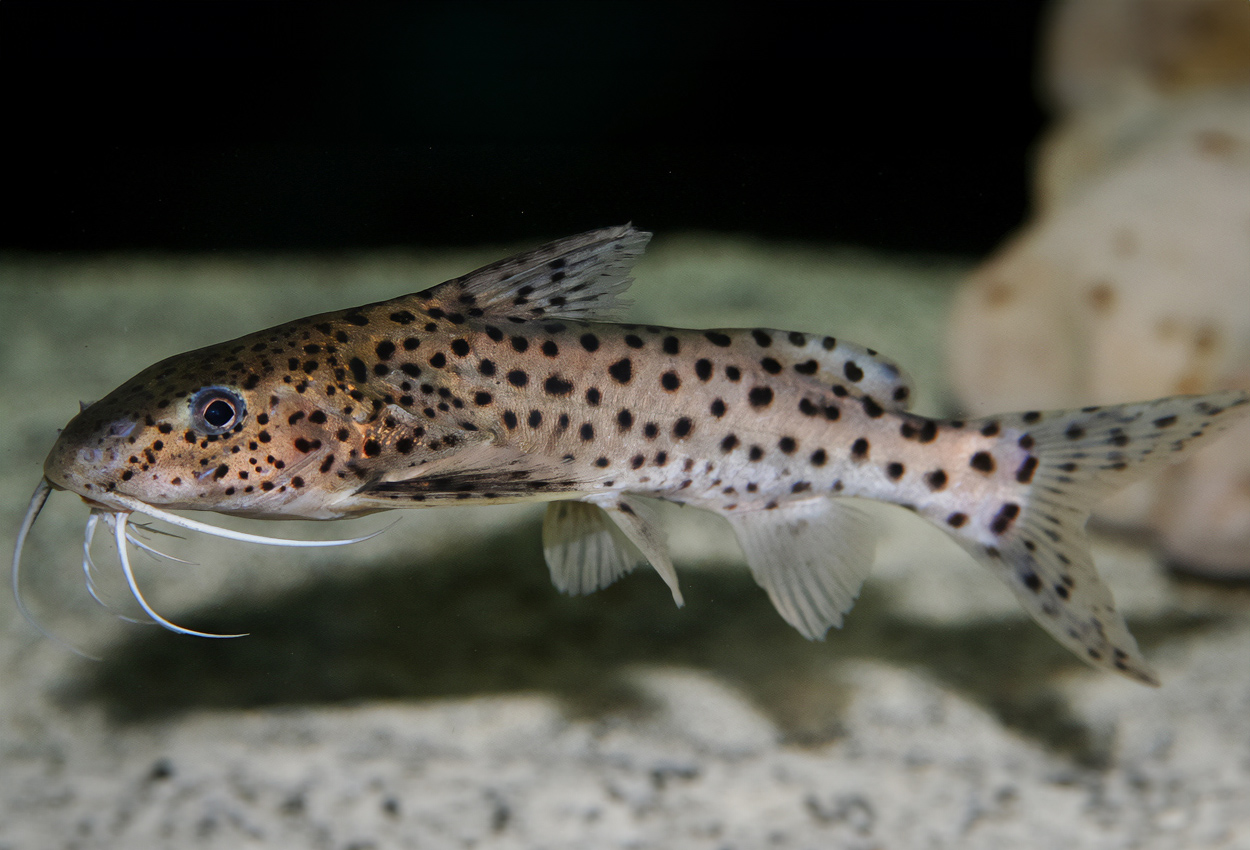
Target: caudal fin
(1053, 468)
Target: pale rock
(1133, 281)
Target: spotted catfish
(511, 384)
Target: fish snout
(86, 453)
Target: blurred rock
(1133, 279)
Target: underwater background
(182, 175)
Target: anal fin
(811, 556)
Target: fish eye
(215, 410)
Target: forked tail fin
(1057, 467)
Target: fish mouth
(116, 513)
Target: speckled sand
(429, 689)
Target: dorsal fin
(581, 277)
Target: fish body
(512, 384)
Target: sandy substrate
(429, 689)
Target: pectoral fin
(451, 464)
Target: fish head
(215, 430)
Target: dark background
(896, 124)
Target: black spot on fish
(718, 339)
(1006, 515)
(982, 462)
(556, 385)
(622, 371)
(760, 396)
